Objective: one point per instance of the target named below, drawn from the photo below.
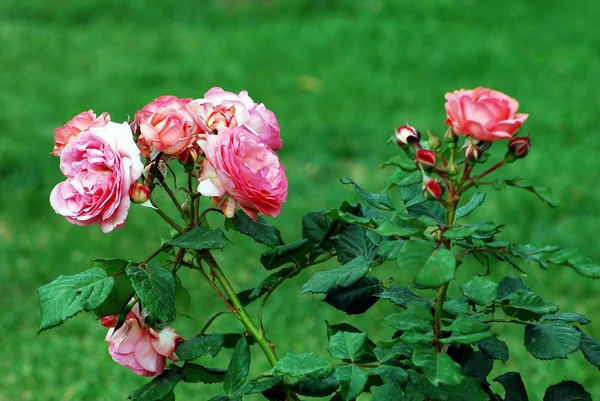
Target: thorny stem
(167, 218)
(211, 283)
(155, 253)
(516, 321)
(169, 192)
(211, 320)
(491, 169)
(243, 316)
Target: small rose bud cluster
(481, 116)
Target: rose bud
(473, 153)
(407, 134)
(432, 189)
(425, 159)
(518, 148)
(139, 193)
(434, 142)
(109, 321)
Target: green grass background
(340, 75)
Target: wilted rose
(238, 163)
(484, 114)
(140, 347)
(81, 122)
(100, 165)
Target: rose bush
(484, 114)
(100, 164)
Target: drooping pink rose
(142, 348)
(168, 125)
(221, 108)
(242, 169)
(100, 165)
(483, 114)
(82, 121)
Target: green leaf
(169, 397)
(352, 381)
(387, 392)
(388, 249)
(438, 367)
(348, 346)
(316, 387)
(397, 350)
(529, 301)
(466, 325)
(352, 242)
(494, 348)
(418, 385)
(567, 391)
(260, 230)
(456, 307)
(298, 365)
(541, 192)
(484, 229)
(344, 276)
(510, 285)
(401, 226)
(201, 238)
(431, 209)
(220, 398)
(476, 364)
(378, 201)
(468, 390)
(193, 373)
(394, 375)
(401, 296)
(155, 286)
(410, 337)
(269, 281)
(357, 298)
(567, 317)
(238, 369)
(195, 347)
(158, 388)
(574, 259)
(182, 297)
(476, 200)
(467, 338)
(316, 228)
(119, 297)
(258, 386)
(290, 253)
(400, 178)
(111, 266)
(399, 161)
(429, 266)
(68, 295)
(513, 386)
(406, 322)
(350, 218)
(480, 290)
(590, 347)
(552, 340)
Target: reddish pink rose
(217, 108)
(79, 123)
(141, 348)
(100, 165)
(242, 169)
(168, 125)
(484, 114)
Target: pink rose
(168, 125)
(483, 114)
(218, 105)
(141, 348)
(244, 170)
(79, 123)
(100, 165)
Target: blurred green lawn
(340, 75)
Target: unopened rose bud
(407, 134)
(109, 321)
(432, 189)
(518, 148)
(425, 159)
(435, 143)
(451, 138)
(473, 153)
(139, 193)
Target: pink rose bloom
(100, 165)
(168, 125)
(483, 114)
(141, 348)
(218, 105)
(243, 169)
(79, 123)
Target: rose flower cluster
(225, 140)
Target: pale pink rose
(79, 123)
(100, 165)
(245, 111)
(483, 114)
(242, 168)
(168, 125)
(142, 348)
